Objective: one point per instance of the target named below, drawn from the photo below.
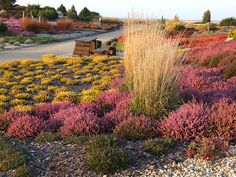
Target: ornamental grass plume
(150, 59)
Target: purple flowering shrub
(26, 126)
(8, 117)
(187, 123)
(223, 120)
(206, 84)
(213, 55)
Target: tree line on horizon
(50, 13)
(47, 12)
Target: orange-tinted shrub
(30, 25)
(45, 27)
(64, 25)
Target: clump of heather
(223, 120)
(45, 110)
(205, 84)
(135, 128)
(77, 122)
(189, 122)
(204, 55)
(8, 117)
(119, 112)
(117, 82)
(26, 126)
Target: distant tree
(206, 17)
(72, 13)
(85, 12)
(33, 10)
(48, 13)
(7, 4)
(228, 22)
(62, 9)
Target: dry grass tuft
(150, 59)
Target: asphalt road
(60, 48)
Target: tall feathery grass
(150, 59)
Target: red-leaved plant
(223, 120)
(26, 126)
(8, 117)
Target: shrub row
(35, 26)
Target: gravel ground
(60, 159)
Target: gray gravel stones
(60, 159)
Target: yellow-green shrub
(24, 108)
(89, 95)
(4, 98)
(3, 91)
(27, 80)
(52, 88)
(42, 96)
(46, 81)
(101, 58)
(68, 96)
(22, 96)
(232, 34)
(16, 102)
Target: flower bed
(191, 42)
(74, 97)
(29, 82)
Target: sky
(185, 9)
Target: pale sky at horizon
(185, 9)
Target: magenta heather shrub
(203, 55)
(95, 107)
(8, 117)
(112, 98)
(135, 128)
(190, 121)
(26, 126)
(205, 84)
(117, 83)
(119, 113)
(77, 123)
(223, 119)
(45, 110)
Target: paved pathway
(60, 48)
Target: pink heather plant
(203, 55)
(112, 98)
(117, 83)
(45, 110)
(189, 122)
(135, 128)
(77, 123)
(120, 110)
(8, 117)
(14, 26)
(26, 126)
(206, 84)
(223, 119)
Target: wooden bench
(84, 46)
(91, 46)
